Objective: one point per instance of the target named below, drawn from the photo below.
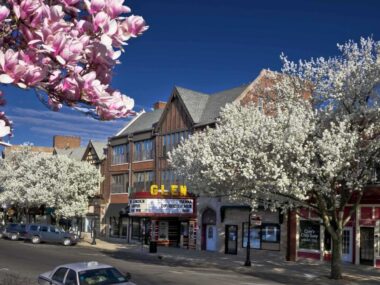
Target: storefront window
(255, 238)
(309, 235)
(270, 233)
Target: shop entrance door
(366, 246)
(231, 239)
(347, 245)
(211, 237)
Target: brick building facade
(137, 160)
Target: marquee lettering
(175, 190)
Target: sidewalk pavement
(269, 265)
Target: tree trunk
(336, 261)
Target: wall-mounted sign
(309, 235)
(175, 190)
(161, 206)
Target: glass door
(366, 246)
(231, 239)
(347, 245)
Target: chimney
(65, 142)
(159, 105)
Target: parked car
(37, 233)
(14, 231)
(2, 228)
(84, 273)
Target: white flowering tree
(31, 179)
(316, 149)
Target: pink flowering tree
(66, 50)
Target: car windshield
(101, 276)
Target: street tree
(32, 179)
(65, 50)
(317, 148)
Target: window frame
(64, 275)
(120, 157)
(124, 184)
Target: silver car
(37, 233)
(84, 273)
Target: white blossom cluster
(315, 145)
(32, 179)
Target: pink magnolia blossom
(4, 13)
(67, 50)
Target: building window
(143, 150)
(270, 233)
(170, 141)
(255, 236)
(309, 235)
(120, 154)
(260, 104)
(119, 183)
(168, 178)
(142, 181)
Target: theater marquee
(161, 206)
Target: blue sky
(205, 45)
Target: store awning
(117, 210)
(226, 207)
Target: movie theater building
(361, 236)
(148, 202)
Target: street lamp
(248, 254)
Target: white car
(84, 273)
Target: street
(29, 260)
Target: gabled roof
(99, 148)
(144, 122)
(195, 102)
(202, 108)
(217, 101)
(73, 153)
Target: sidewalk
(268, 265)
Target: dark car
(14, 231)
(37, 233)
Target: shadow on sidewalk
(294, 273)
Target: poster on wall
(161, 206)
(309, 235)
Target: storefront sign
(161, 206)
(309, 237)
(175, 190)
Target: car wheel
(14, 236)
(36, 239)
(67, 242)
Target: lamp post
(248, 255)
